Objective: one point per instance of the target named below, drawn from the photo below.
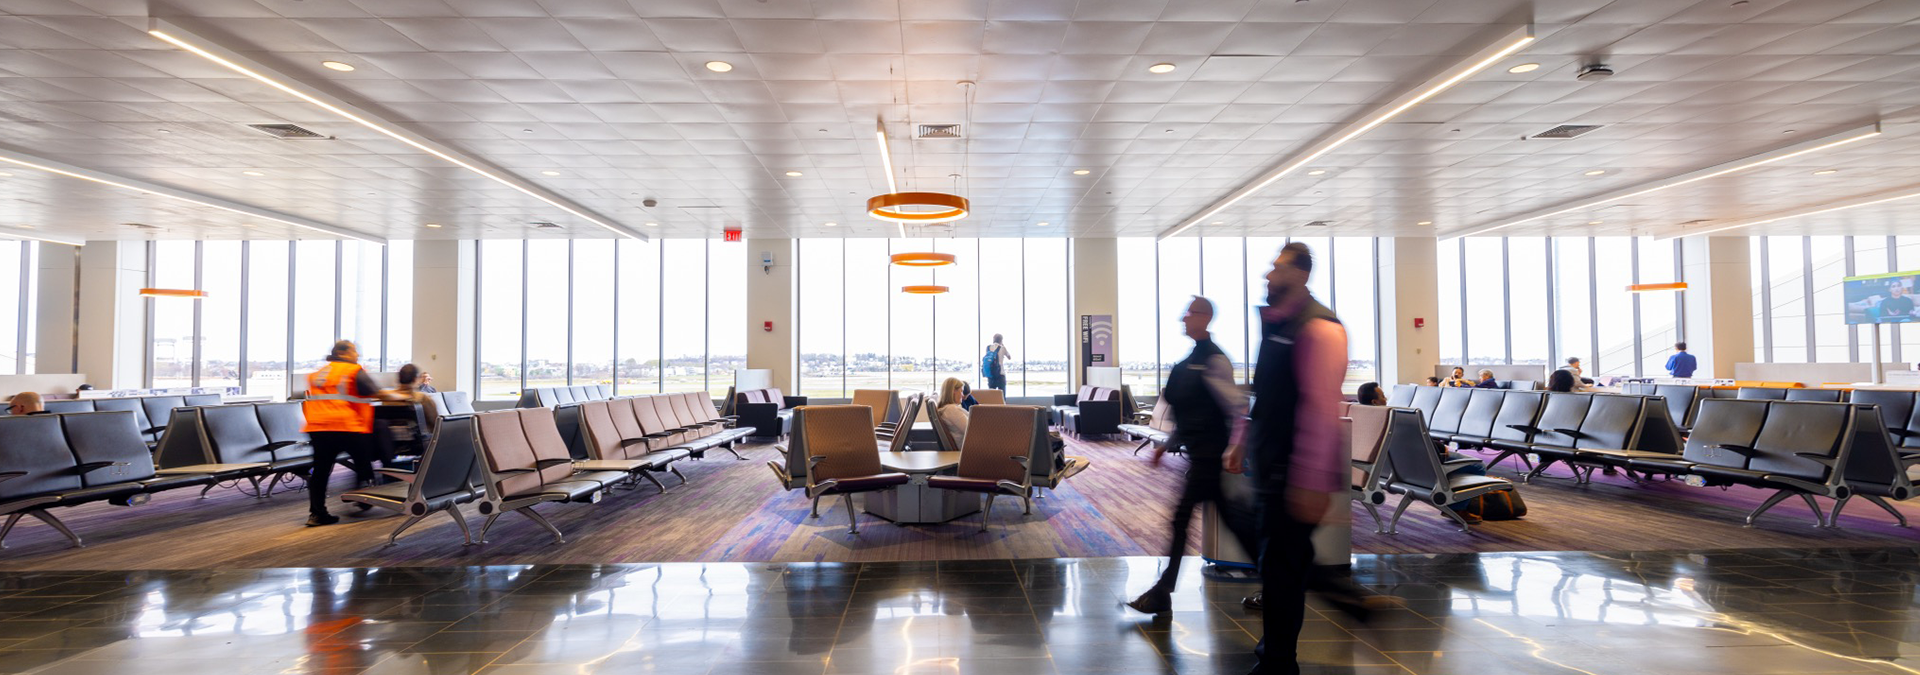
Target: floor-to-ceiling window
(273, 310)
(644, 316)
(859, 331)
(1799, 313)
(19, 280)
(1157, 282)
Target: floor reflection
(1747, 611)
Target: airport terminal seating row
(450, 403)
(524, 462)
(1002, 445)
(644, 435)
(252, 441)
(1805, 448)
(1898, 414)
(445, 477)
(67, 459)
(151, 413)
(837, 456)
(548, 397)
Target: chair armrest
(1571, 432)
(402, 474)
(1822, 460)
(658, 434)
(276, 445)
(508, 472)
(544, 463)
(1741, 449)
(624, 442)
(90, 466)
(10, 475)
(154, 430)
(1525, 427)
(1065, 399)
(792, 401)
(1903, 433)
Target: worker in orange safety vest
(339, 412)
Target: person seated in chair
(1458, 378)
(952, 409)
(1370, 394)
(1486, 380)
(26, 403)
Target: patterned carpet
(733, 511)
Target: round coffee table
(915, 502)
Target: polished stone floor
(1752, 612)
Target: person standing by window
(1681, 364)
(993, 366)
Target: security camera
(1594, 73)
(649, 202)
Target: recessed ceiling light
(1826, 172)
(433, 225)
(1160, 68)
(794, 174)
(26, 227)
(1081, 172)
(1317, 172)
(549, 173)
(1041, 224)
(165, 131)
(1596, 172)
(1218, 222)
(4, 174)
(1593, 222)
(336, 65)
(1524, 68)
(831, 224)
(253, 173)
(653, 224)
(719, 66)
(1424, 222)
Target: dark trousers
(328, 447)
(997, 382)
(1286, 572)
(1203, 486)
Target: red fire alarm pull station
(769, 326)
(1419, 322)
(732, 234)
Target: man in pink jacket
(1298, 459)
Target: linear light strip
(1506, 46)
(886, 162)
(11, 233)
(49, 166)
(231, 62)
(1818, 210)
(1828, 142)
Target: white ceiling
(613, 95)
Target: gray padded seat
(1679, 399)
(1762, 393)
(1896, 407)
(1402, 395)
(160, 409)
(282, 423)
(1721, 423)
(1445, 419)
(445, 479)
(1418, 475)
(456, 403)
(1875, 470)
(109, 449)
(131, 405)
(67, 405)
(1476, 424)
(1821, 395)
(191, 400)
(1425, 399)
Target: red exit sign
(732, 235)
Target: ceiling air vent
(289, 132)
(1566, 131)
(933, 131)
(542, 225)
(1320, 223)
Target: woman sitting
(952, 410)
(1486, 380)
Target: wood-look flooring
(733, 511)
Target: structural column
(1409, 292)
(1718, 272)
(770, 299)
(1095, 276)
(55, 325)
(444, 313)
(110, 347)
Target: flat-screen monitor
(1882, 298)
